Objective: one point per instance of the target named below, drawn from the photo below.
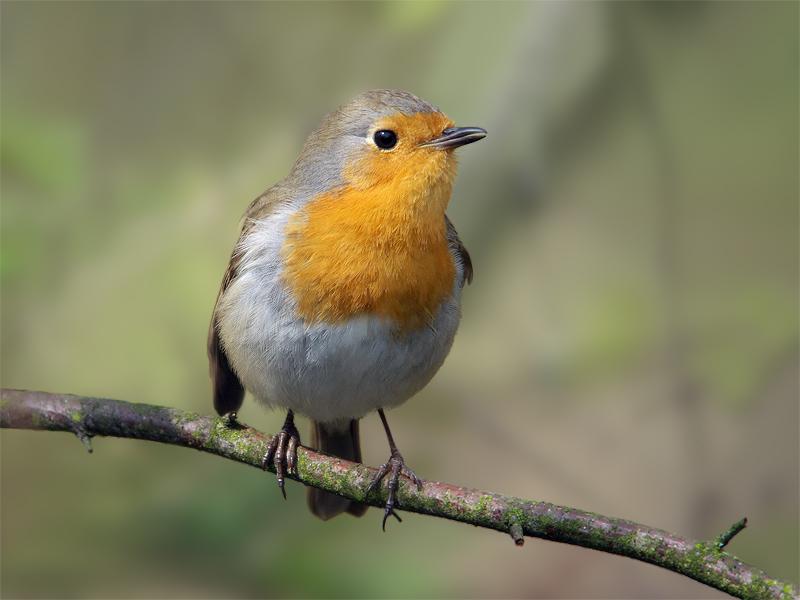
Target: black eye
(385, 138)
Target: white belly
(328, 372)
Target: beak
(453, 137)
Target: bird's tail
(343, 443)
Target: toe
(413, 477)
(373, 485)
(291, 455)
(389, 512)
(394, 468)
(271, 448)
(280, 457)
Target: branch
(702, 560)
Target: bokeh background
(629, 344)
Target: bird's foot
(231, 420)
(394, 468)
(282, 452)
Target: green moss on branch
(706, 562)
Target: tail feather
(343, 443)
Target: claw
(395, 467)
(386, 514)
(282, 452)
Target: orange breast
(378, 249)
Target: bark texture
(705, 561)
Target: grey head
(345, 131)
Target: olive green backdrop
(629, 344)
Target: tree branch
(702, 560)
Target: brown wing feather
(460, 251)
(227, 389)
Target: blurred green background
(629, 344)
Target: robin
(342, 295)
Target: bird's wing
(227, 389)
(459, 251)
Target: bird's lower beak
(453, 137)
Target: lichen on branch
(705, 561)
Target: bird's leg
(282, 451)
(394, 467)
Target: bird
(343, 292)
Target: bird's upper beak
(453, 137)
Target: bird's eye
(386, 139)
